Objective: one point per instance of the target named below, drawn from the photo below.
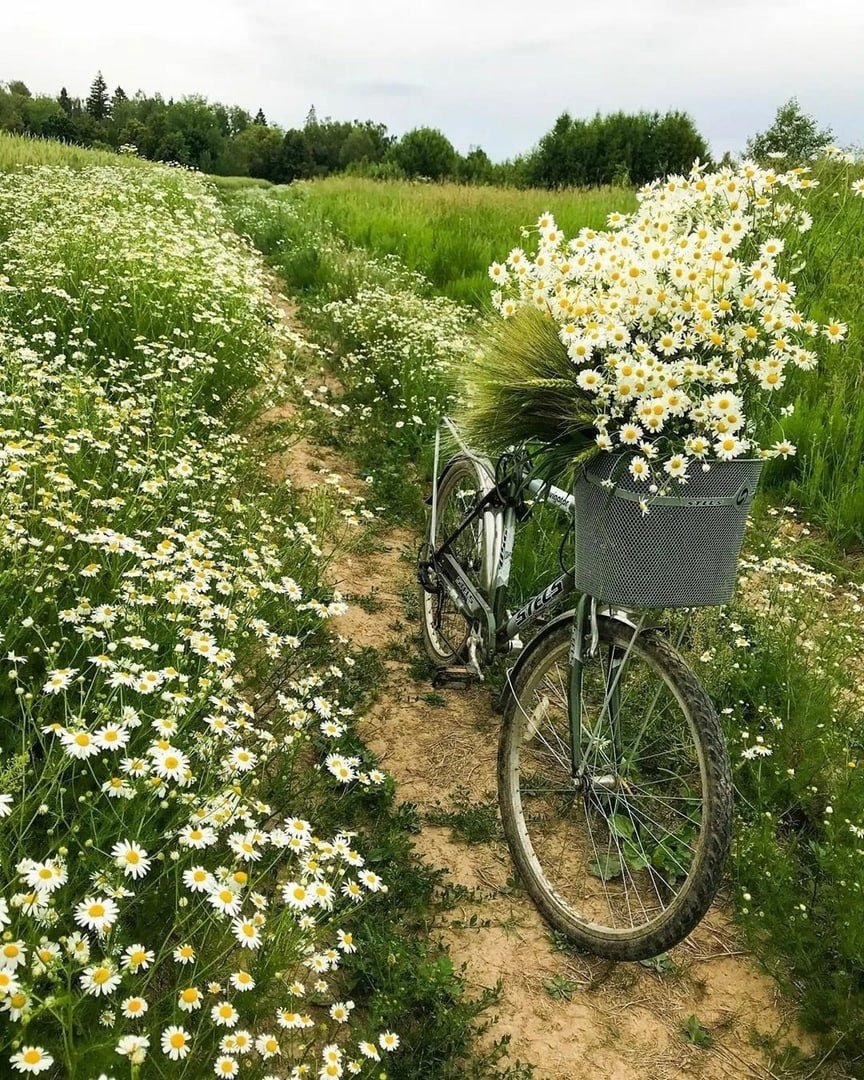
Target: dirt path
(572, 1017)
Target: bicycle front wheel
(625, 857)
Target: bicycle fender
(501, 699)
(499, 703)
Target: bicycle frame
(503, 630)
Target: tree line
(620, 148)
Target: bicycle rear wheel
(460, 489)
(626, 858)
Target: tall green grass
(451, 232)
(17, 151)
(827, 476)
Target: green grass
(827, 476)
(21, 150)
(451, 232)
(235, 183)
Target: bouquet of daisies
(664, 337)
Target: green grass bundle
(522, 388)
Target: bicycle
(614, 782)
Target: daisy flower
(131, 858)
(31, 1060)
(175, 1042)
(223, 1014)
(13, 954)
(247, 933)
(96, 913)
(134, 1047)
(190, 999)
(133, 1007)
(58, 681)
(369, 1050)
(388, 1040)
(137, 958)
(184, 954)
(100, 980)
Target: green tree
(426, 152)
(19, 88)
(260, 118)
(98, 104)
(475, 167)
(295, 159)
(620, 148)
(794, 134)
(363, 143)
(119, 96)
(258, 152)
(173, 148)
(65, 101)
(238, 119)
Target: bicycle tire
(705, 871)
(468, 478)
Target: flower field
(203, 870)
(181, 881)
(781, 662)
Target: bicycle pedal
(458, 675)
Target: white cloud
(493, 73)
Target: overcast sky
(489, 73)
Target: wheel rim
(447, 629)
(616, 850)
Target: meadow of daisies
(782, 660)
(179, 882)
(202, 869)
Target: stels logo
(539, 602)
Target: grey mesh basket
(682, 553)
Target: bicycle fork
(585, 626)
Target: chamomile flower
(131, 858)
(134, 1047)
(223, 1014)
(267, 1046)
(190, 999)
(247, 933)
(31, 1060)
(184, 954)
(97, 913)
(100, 979)
(176, 1043)
(242, 980)
(134, 1007)
(137, 958)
